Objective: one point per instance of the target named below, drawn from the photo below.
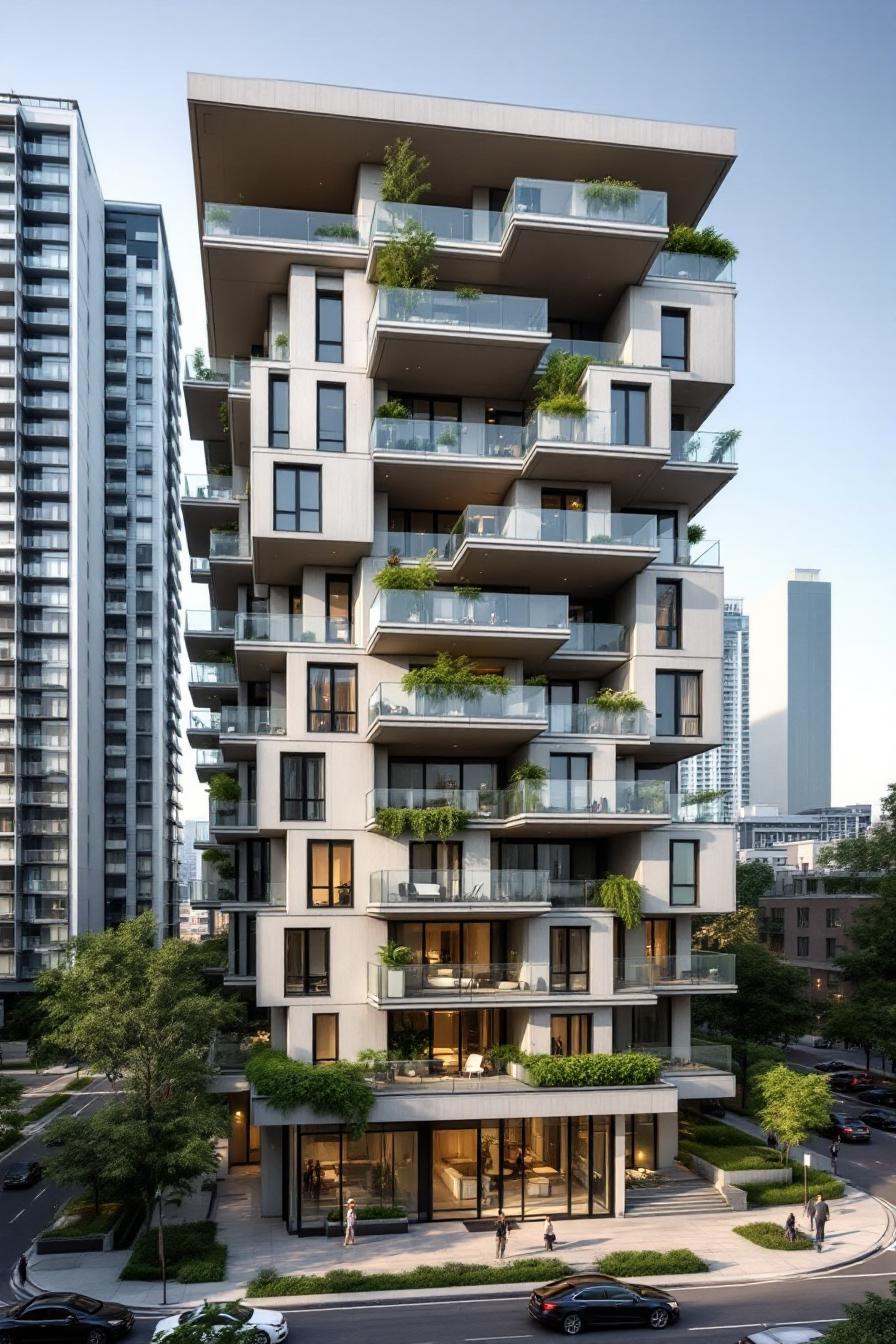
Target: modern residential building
(89, 598)
(726, 769)
(351, 430)
(761, 826)
(790, 694)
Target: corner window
(297, 499)
(332, 699)
(668, 614)
(629, 407)
(674, 339)
(302, 783)
(307, 961)
(330, 873)
(324, 1038)
(678, 704)
(278, 410)
(331, 417)
(683, 855)
(569, 959)
(329, 319)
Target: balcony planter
(395, 983)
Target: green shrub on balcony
(221, 860)
(540, 679)
(392, 410)
(453, 675)
(632, 1069)
(467, 292)
(422, 822)
(564, 403)
(394, 955)
(620, 894)
(406, 260)
(696, 533)
(419, 577)
(700, 242)
(613, 192)
(403, 170)
(502, 1055)
(616, 702)
(468, 592)
(224, 789)
(557, 390)
(223, 417)
(201, 372)
(344, 230)
(327, 1089)
(528, 771)
(702, 796)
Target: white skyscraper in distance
(726, 769)
(790, 694)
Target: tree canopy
(793, 1104)
(752, 880)
(870, 1322)
(770, 1002)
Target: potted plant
(341, 230)
(224, 788)
(392, 410)
(558, 394)
(609, 195)
(469, 595)
(395, 957)
(722, 445)
(467, 292)
(281, 345)
(527, 785)
(624, 703)
(696, 533)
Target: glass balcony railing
(231, 893)
(569, 527)
(612, 797)
(596, 722)
(208, 487)
(228, 816)
(697, 1057)
(252, 720)
(209, 622)
(207, 757)
(233, 372)
(449, 223)
(472, 886)
(690, 266)
(213, 674)
(695, 968)
(204, 721)
(698, 808)
(283, 628)
(391, 700)
(292, 226)
(599, 201)
(705, 446)
(458, 979)
(491, 611)
(593, 429)
(447, 438)
(595, 637)
(443, 308)
(227, 545)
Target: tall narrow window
(629, 414)
(668, 614)
(278, 410)
(324, 1038)
(332, 699)
(330, 873)
(569, 959)
(683, 872)
(674, 338)
(307, 961)
(329, 319)
(302, 780)
(678, 704)
(339, 608)
(297, 499)
(331, 417)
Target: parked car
(783, 1334)
(850, 1081)
(53, 1316)
(21, 1175)
(880, 1120)
(850, 1129)
(833, 1066)
(878, 1096)
(822, 1043)
(582, 1300)
(268, 1327)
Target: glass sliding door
(513, 1166)
(455, 1173)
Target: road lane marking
(39, 1193)
(17, 1215)
(765, 1325)
(482, 1339)
(83, 1108)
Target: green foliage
(201, 372)
(217, 214)
(368, 1212)
(873, 852)
(327, 1089)
(281, 341)
(540, 679)
(220, 859)
(453, 675)
(771, 1001)
(268, 1283)
(85, 1220)
(502, 1055)
(617, 702)
(614, 192)
(637, 1264)
(467, 292)
(208, 1268)
(528, 771)
(723, 932)
(205, 1326)
(403, 171)
(223, 788)
(627, 1070)
(224, 417)
(872, 1321)
(564, 403)
(468, 592)
(722, 1145)
(343, 230)
(793, 1104)
(702, 796)
(392, 410)
(702, 242)
(562, 377)
(622, 895)
(858, 1024)
(696, 533)
(753, 880)
(185, 1244)
(422, 822)
(394, 955)
(774, 1194)
(46, 1106)
(409, 1042)
(419, 577)
(78, 1084)
(406, 260)
(12, 1121)
(85, 1152)
(772, 1237)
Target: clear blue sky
(811, 203)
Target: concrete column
(619, 1165)
(680, 1025)
(271, 1171)
(602, 1031)
(666, 1139)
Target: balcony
(230, 566)
(692, 809)
(221, 895)
(588, 448)
(691, 268)
(210, 761)
(435, 340)
(449, 723)
(704, 971)
(208, 634)
(263, 640)
(592, 721)
(395, 893)
(510, 982)
(242, 725)
(591, 647)
(466, 456)
(225, 818)
(212, 682)
(200, 569)
(315, 228)
(203, 395)
(700, 464)
(207, 504)
(517, 624)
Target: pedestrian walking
(822, 1214)
(351, 1219)
(501, 1230)
(550, 1236)
(771, 1139)
(790, 1228)
(22, 1270)
(835, 1153)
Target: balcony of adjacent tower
(243, 725)
(220, 381)
(208, 635)
(208, 503)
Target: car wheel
(260, 1337)
(5, 1337)
(658, 1318)
(572, 1324)
(96, 1336)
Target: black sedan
(52, 1316)
(850, 1081)
(878, 1096)
(21, 1175)
(880, 1120)
(833, 1066)
(575, 1303)
(847, 1128)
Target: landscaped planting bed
(191, 1254)
(772, 1237)
(724, 1146)
(767, 1195)
(634, 1264)
(268, 1283)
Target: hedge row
(770, 1194)
(368, 1211)
(77, 1084)
(84, 1221)
(627, 1070)
(626, 1264)
(268, 1283)
(46, 1106)
(327, 1089)
(191, 1255)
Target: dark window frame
(315, 1057)
(307, 991)
(325, 295)
(305, 806)
(568, 974)
(802, 946)
(277, 438)
(280, 469)
(695, 885)
(586, 1024)
(678, 718)
(677, 363)
(330, 387)
(621, 432)
(674, 627)
(332, 903)
(333, 713)
(330, 580)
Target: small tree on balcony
(224, 789)
(557, 391)
(706, 242)
(453, 675)
(419, 577)
(407, 259)
(403, 170)
(616, 702)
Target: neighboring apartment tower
(89, 444)
(562, 563)
(790, 694)
(759, 827)
(726, 769)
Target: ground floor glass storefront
(561, 1166)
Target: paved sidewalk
(859, 1224)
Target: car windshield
(81, 1303)
(238, 1313)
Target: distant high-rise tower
(790, 694)
(726, 769)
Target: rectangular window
(668, 614)
(830, 948)
(302, 783)
(297, 499)
(832, 917)
(324, 1038)
(569, 959)
(674, 339)
(332, 699)
(678, 704)
(339, 608)
(307, 961)
(329, 319)
(629, 407)
(683, 872)
(802, 947)
(802, 916)
(278, 410)
(571, 1034)
(330, 872)
(331, 417)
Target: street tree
(870, 1322)
(793, 1104)
(12, 1121)
(724, 932)
(85, 1151)
(859, 1026)
(752, 880)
